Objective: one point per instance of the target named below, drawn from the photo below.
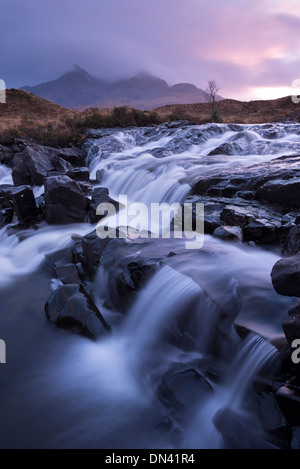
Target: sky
(250, 47)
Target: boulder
(70, 307)
(32, 165)
(35, 162)
(282, 192)
(67, 274)
(72, 155)
(233, 215)
(65, 202)
(79, 174)
(182, 387)
(231, 233)
(292, 243)
(291, 325)
(286, 276)
(6, 216)
(21, 200)
(24, 204)
(92, 248)
(100, 196)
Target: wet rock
(291, 325)
(79, 174)
(6, 216)
(99, 175)
(272, 418)
(92, 249)
(24, 204)
(231, 233)
(288, 399)
(67, 274)
(281, 192)
(70, 307)
(234, 215)
(230, 148)
(130, 280)
(236, 429)
(182, 388)
(33, 165)
(100, 196)
(6, 156)
(21, 200)
(292, 243)
(73, 155)
(65, 201)
(286, 276)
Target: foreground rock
(286, 276)
(276, 182)
(70, 307)
(34, 163)
(292, 243)
(65, 201)
(19, 200)
(100, 196)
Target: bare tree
(211, 94)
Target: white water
(69, 392)
(5, 175)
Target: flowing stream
(58, 390)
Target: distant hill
(78, 89)
(243, 112)
(22, 107)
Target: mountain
(78, 89)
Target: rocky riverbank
(255, 205)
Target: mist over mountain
(79, 89)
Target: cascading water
(64, 391)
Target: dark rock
(281, 192)
(130, 280)
(24, 204)
(182, 388)
(92, 248)
(79, 174)
(232, 233)
(60, 165)
(286, 276)
(272, 418)
(6, 216)
(70, 307)
(72, 155)
(262, 230)
(61, 257)
(237, 431)
(33, 165)
(230, 148)
(6, 156)
(100, 196)
(291, 325)
(292, 243)
(68, 274)
(21, 200)
(65, 201)
(233, 215)
(99, 175)
(288, 400)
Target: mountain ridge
(77, 89)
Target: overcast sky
(251, 47)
